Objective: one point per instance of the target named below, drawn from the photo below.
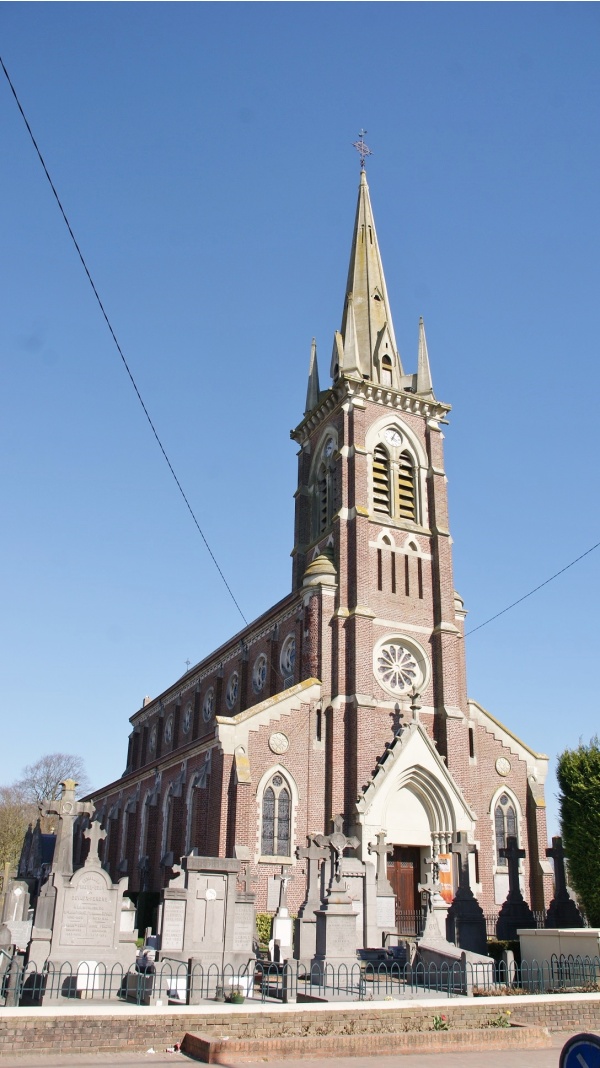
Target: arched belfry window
(506, 825)
(407, 504)
(324, 487)
(395, 475)
(381, 480)
(386, 370)
(276, 818)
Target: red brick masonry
(80, 1029)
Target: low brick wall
(220, 1051)
(79, 1028)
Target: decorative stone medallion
(169, 731)
(259, 673)
(396, 668)
(288, 655)
(279, 743)
(186, 722)
(208, 705)
(152, 738)
(232, 689)
(503, 766)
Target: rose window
(397, 668)
(169, 731)
(187, 719)
(259, 673)
(209, 705)
(232, 690)
(288, 655)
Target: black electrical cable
(534, 590)
(119, 349)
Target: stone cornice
(350, 389)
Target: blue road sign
(581, 1051)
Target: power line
(119, 349)
(536, 588)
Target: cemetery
(71, 937)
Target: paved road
(538, 1058)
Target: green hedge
(578, 774)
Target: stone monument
(386, 898)
(465, 922)
(515, 913)
(562, 910)
(78, 917)
(204, 919)
(305, 936)
(280, 943)
(336, 940)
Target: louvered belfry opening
(381, 480)
(406, 488)
(323, 498)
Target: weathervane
(362, 148)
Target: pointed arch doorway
(403, 872)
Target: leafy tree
(578, 775)
(41, 781)
(15, 816)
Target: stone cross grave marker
(67, 808)
(558, 856)
(513, 855)
(283, 879)
(383, 850)
(95, 835)
(337, 842)
(314, 854)
(462, 849)
(247, 880)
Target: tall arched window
(406, 500)
(505, 825)
(324, 489)
(323, 499)
(276, 818)
(381, 480)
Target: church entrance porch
(403, 872)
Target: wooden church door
(403, 872)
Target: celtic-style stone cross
(337, 843)
(462, 849)
(67, 809)
(513, 854)
(383, 850)
(560, 879)
(95, 835)
(314, 854)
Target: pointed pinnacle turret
(424, 383)
(367, 329)
(312, 393)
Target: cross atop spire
(362, 148)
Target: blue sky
(202, 152)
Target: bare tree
(41, 781)
(15, 816)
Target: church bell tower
(371, 529)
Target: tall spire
(424, 383)
(312, 393)
(367, 328)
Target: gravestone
(336, 941)
(78, 917)
(515, 912)
(204, 918)
(562, 911)
(465, 922)
(386, 898)
(280, 943)
(305, 936)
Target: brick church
(349, 695)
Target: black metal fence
(176, 983)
